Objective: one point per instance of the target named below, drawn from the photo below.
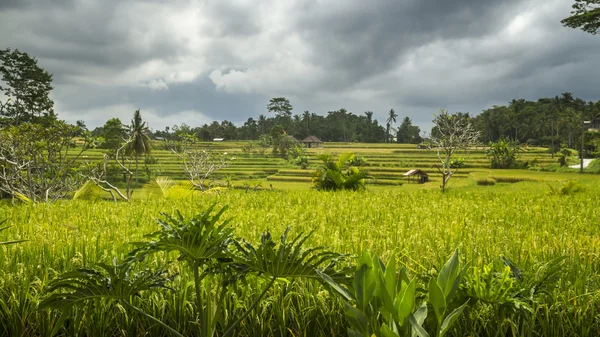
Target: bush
(339, 174)
(358, 161)
(457, 163)
(302, 161)
(503, 153)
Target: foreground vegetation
(523, 222)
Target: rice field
(518, 218)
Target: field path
(586, 163)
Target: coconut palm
(391, 119)
(140, 141)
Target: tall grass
(420, 228)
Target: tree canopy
(27, 87)
(585, 15)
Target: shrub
(503, 153)
(457, 163)
(358, 161)
(339, 174)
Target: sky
(187, 61)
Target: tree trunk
(136, 170)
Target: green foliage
(339, 174)
(457, 163)
(566, 188)
(503, 153)
(585, 15)
(12, 242)
(358, 161)
(38, 162)
(381, 301)
(203, 243)
(27, 88)
(408, 133)
(484, 284)
(280, 106)
(117, 283)
(114, 134)
(594, 166)
(139, 142)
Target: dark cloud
(192, 60)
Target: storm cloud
(187, 61)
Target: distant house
(292, 138)
(594, 124)
(159, 138)
(311, 142)
(218, 139)
(417, 176)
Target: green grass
(415, 223)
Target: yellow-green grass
(415, 223)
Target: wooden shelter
(594, 124)
(416, 176)
(311, 142)
(292, 139)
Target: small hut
(416, 176)
(292, 139)
(311, 142)
(594, 124)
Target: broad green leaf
(348, 296)
(365, 281)
(406, 303)
(417, 328)
(417, 319)
(391, 277)
(353, 333)
(449, 321)
(448, 274)
(437, 300)
(357, 319)
(387, 332)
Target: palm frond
(286, 258)
(112, 282)
(198, 239)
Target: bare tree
(38, 162)
(452, 132)
(200, 165)
(97, 173)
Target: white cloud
(98, 116)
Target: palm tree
(391, 119)
(306, 119)
(139, 142)
(369, 115)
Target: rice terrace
(290, 223)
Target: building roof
(292, 138)
(311, 139)
(415, 172)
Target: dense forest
(548, 122)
